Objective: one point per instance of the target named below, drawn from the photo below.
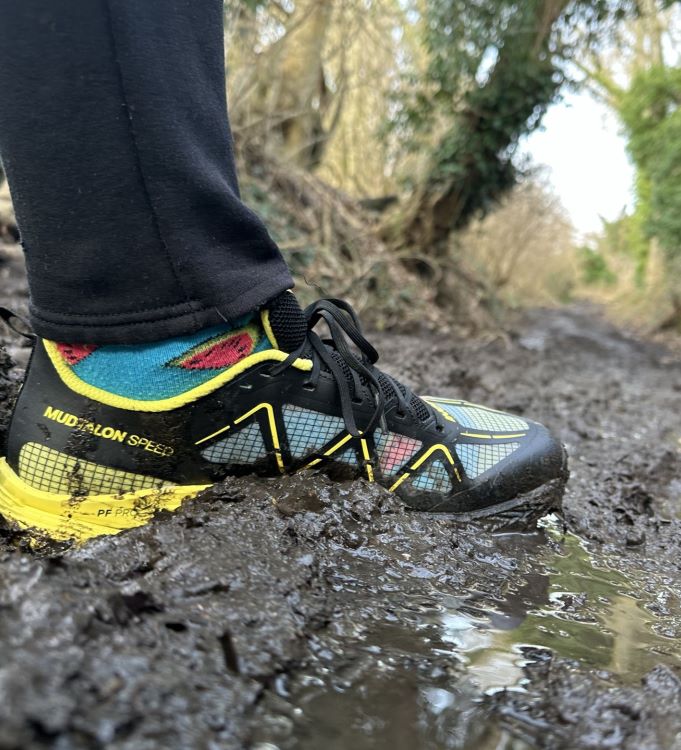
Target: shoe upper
(308, 403)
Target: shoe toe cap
(514, 467)
(499, 457)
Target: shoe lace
(334, 352)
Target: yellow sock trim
(265, 318)
(72, 381)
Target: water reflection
(577, 607)
(426, 663)
(599, 615)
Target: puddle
(578, 607)
(575, 605)
(437, 656)
(600, 615)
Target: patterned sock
(163, 369)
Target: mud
(300, 613)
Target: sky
(586, 160)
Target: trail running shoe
(83, 462)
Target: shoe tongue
(287, 321)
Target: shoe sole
(65, 517)
(520, 513)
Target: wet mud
(302, 613)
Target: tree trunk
(279, 98)
(302, 93)
(471, 166)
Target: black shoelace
(343, 324)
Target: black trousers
(115, 139)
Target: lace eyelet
(400, 415)
(309, 387)
(357, 402)
(439, 428)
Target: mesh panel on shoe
(477, 459)
(480, 418)
(52, 471)
(419, 408)
(394, 450)
(287, 321)
(384, 382)
(433, 478)
(309, 430)
(243, 447)
(347, 457)
(345, 367)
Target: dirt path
(302, 614)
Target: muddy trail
(282, 614)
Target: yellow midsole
(65, 517)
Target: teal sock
(164, 369)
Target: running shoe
(82, 461)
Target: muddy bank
(304, 614)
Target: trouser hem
(155, 324)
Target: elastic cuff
(157, 324)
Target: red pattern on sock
(221, 354)
(75, 353)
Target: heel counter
(17, 432)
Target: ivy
(651, 112)
(494, 67)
